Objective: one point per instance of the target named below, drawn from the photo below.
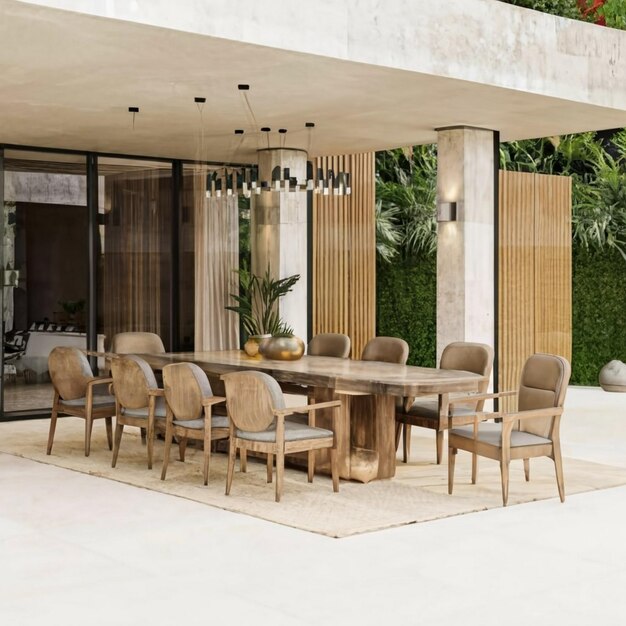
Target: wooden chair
(386, 349)
(189, 400)
(530, 432)
(256, 409)
(467, 357)
(74, 383)
(336, 345)
(137, 343)
(139, 401)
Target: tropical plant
(257, 302)
(564, 8)
(614, 13)
(406, 191)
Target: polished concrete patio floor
(77, 549)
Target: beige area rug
(418, 493)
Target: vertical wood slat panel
(344, 254)
(535, 280)
(553, 265)
(516, 279)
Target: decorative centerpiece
(257, 306)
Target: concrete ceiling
(67, 80)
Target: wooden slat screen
(344, 254)
(535, 280)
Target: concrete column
(278, 235)
(465, 250)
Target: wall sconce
(446, 211)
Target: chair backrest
(251, 398)
(69, 371)
(185, 385)
(330, 344)
(387, 349)
(137, 343)
(543, 384)
(132, 379)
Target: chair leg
(232, 454)
(88, 429)
(182, 448)
(53, 425)
(150, 442)
(439, 446)
(270, 466)
(166, 450)
(311, 465)
(527, 469)
(207, 457)
(143, 435)
(406, 442)
(119, 429)
(451, 459)
(334, 469)
(398, 433)
(243, 460)
(108, 422)
(504, 471)
(280, 470)
(474, 467)
(558, 466)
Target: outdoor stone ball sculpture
(613, 376)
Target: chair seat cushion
(159, 410)
(98, 400)
(491, 434)
(293, 432)
(429, 409)
(217, 421)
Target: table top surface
(372, 377)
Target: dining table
(369, 392)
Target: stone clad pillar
(278, 236)
(465, 250)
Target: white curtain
(216, 259)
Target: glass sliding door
(135, 264)
(45, 278)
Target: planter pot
(283, 348)
(254, 343)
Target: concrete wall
(482, 41)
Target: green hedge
(406, 307)
(406, 300)
(599, 313)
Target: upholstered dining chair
(427, 413)
(139, 401)
(137, 343)
(532, 431)
(189, 401)
(74, 383)
(256, 409)
(330, 344)
(386, 349)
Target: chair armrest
(156, 392)
(478, 397)
(99, 380)
(551, 411)
(308, 407)
(212, 400)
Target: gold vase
(254, 343)
(287, 348)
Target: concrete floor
(77, 549)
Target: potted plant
(257, 306)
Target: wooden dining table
(369, 392)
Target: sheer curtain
(216, 259)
